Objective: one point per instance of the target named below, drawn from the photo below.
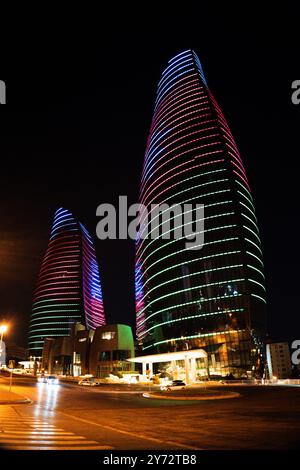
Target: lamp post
(3, 329)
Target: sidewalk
(11, 398)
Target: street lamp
(3, 329)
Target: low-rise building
(98, 352)
(279, 360)
(2, 354)
(111, 347)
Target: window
(108, 335)
(121, 355)
(104, 356)
(77, 358)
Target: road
(68, 416)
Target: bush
(117, 373)
(155, 380)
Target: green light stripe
(187, 200)
(193, 177)
(244, 215)
(260, 272)
(201, 286)
(250, 241)
(244, 188)
(224, 214)
(189, 303)
(190, 261)
(195, 274)
(195, 336)
(195, 316)
(42, 336)
(249, 253)
(247, 228)
(49, 300)
(247, 199)
(55, 311)
(185, 249)
(46, 329)
(51, 323)
(258, 283)
(197, 186)
(54, 325)
(181, 238)
(249, 209)
(259, 297)
(181, 215)
(54, 305)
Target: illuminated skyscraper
(212, 298)
(68, 287)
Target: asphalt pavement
(120, 418)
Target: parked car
(87, 382)
(175, 385)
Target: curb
(197, 398)
(15, 402)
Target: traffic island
(192, 395)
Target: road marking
(50, 443)
(30, 433)
(60, 433)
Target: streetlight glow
(3, 329)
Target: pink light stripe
(158, 120)
(182, 130)
(190, 88)
(177, 166)
(164, 155)
(242, 179)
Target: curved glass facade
(68, 287)
(214, 297)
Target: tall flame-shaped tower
(212, 298)
(68, 287)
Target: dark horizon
(74, 130)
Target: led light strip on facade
(68, 288)
(225, 276)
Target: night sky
(73, 132)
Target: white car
(52, 380)
(48, 379)
(90, 382)
(87, 382)
(175, 385)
